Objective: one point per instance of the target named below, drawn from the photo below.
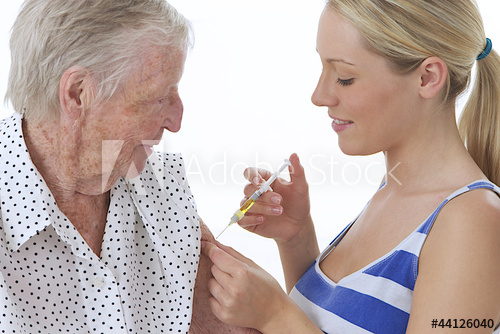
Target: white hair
(106, 37)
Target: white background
(246, 91)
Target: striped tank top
(376, 298)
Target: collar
(162, 197)
(29, 206)
(24, 193)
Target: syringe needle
(222, 231)
(250, 202)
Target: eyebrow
(335, 60)
(332, 60)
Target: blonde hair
(107, 37)
(406, 32)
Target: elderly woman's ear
(76, 90)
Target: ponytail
(480, 121)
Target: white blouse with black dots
(52, 282)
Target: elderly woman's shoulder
(166, 167)
(173, 162)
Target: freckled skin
(82, 154)
(74, 153)
(148, 105)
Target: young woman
(422, 257)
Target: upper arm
(204, 321)
(459, 268)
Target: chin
(357, 150)
(138, 162)
(135, 168)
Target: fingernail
(259, 219)
(277, 210)
(256, 180)
(276, 199)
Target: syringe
(251, 201)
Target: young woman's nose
(325, 93)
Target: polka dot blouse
(52, 282)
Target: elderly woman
(94, 236)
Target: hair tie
(486, 50)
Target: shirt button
(98, 282)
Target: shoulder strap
(484, 184)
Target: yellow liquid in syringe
(251, 201)
(244, 208)
(239, 214)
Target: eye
(162, 100)
(345, 82)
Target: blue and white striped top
(375, 299)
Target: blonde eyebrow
(333, 60)
(336, 60)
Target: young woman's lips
(339, 125)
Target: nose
(324, 94)
(174, 112)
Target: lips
(341, 122)
(339, 125)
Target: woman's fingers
(269, 197)
(219, 257)
(225, 258)
(256, 175)
(216, 288)
(242, 293)
(228, 263)
(267, 204)
(297, 174)
(234, 253)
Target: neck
(57, 154)
(434, 157)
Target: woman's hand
(245, 295)
(203, 320)
(284, 213)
